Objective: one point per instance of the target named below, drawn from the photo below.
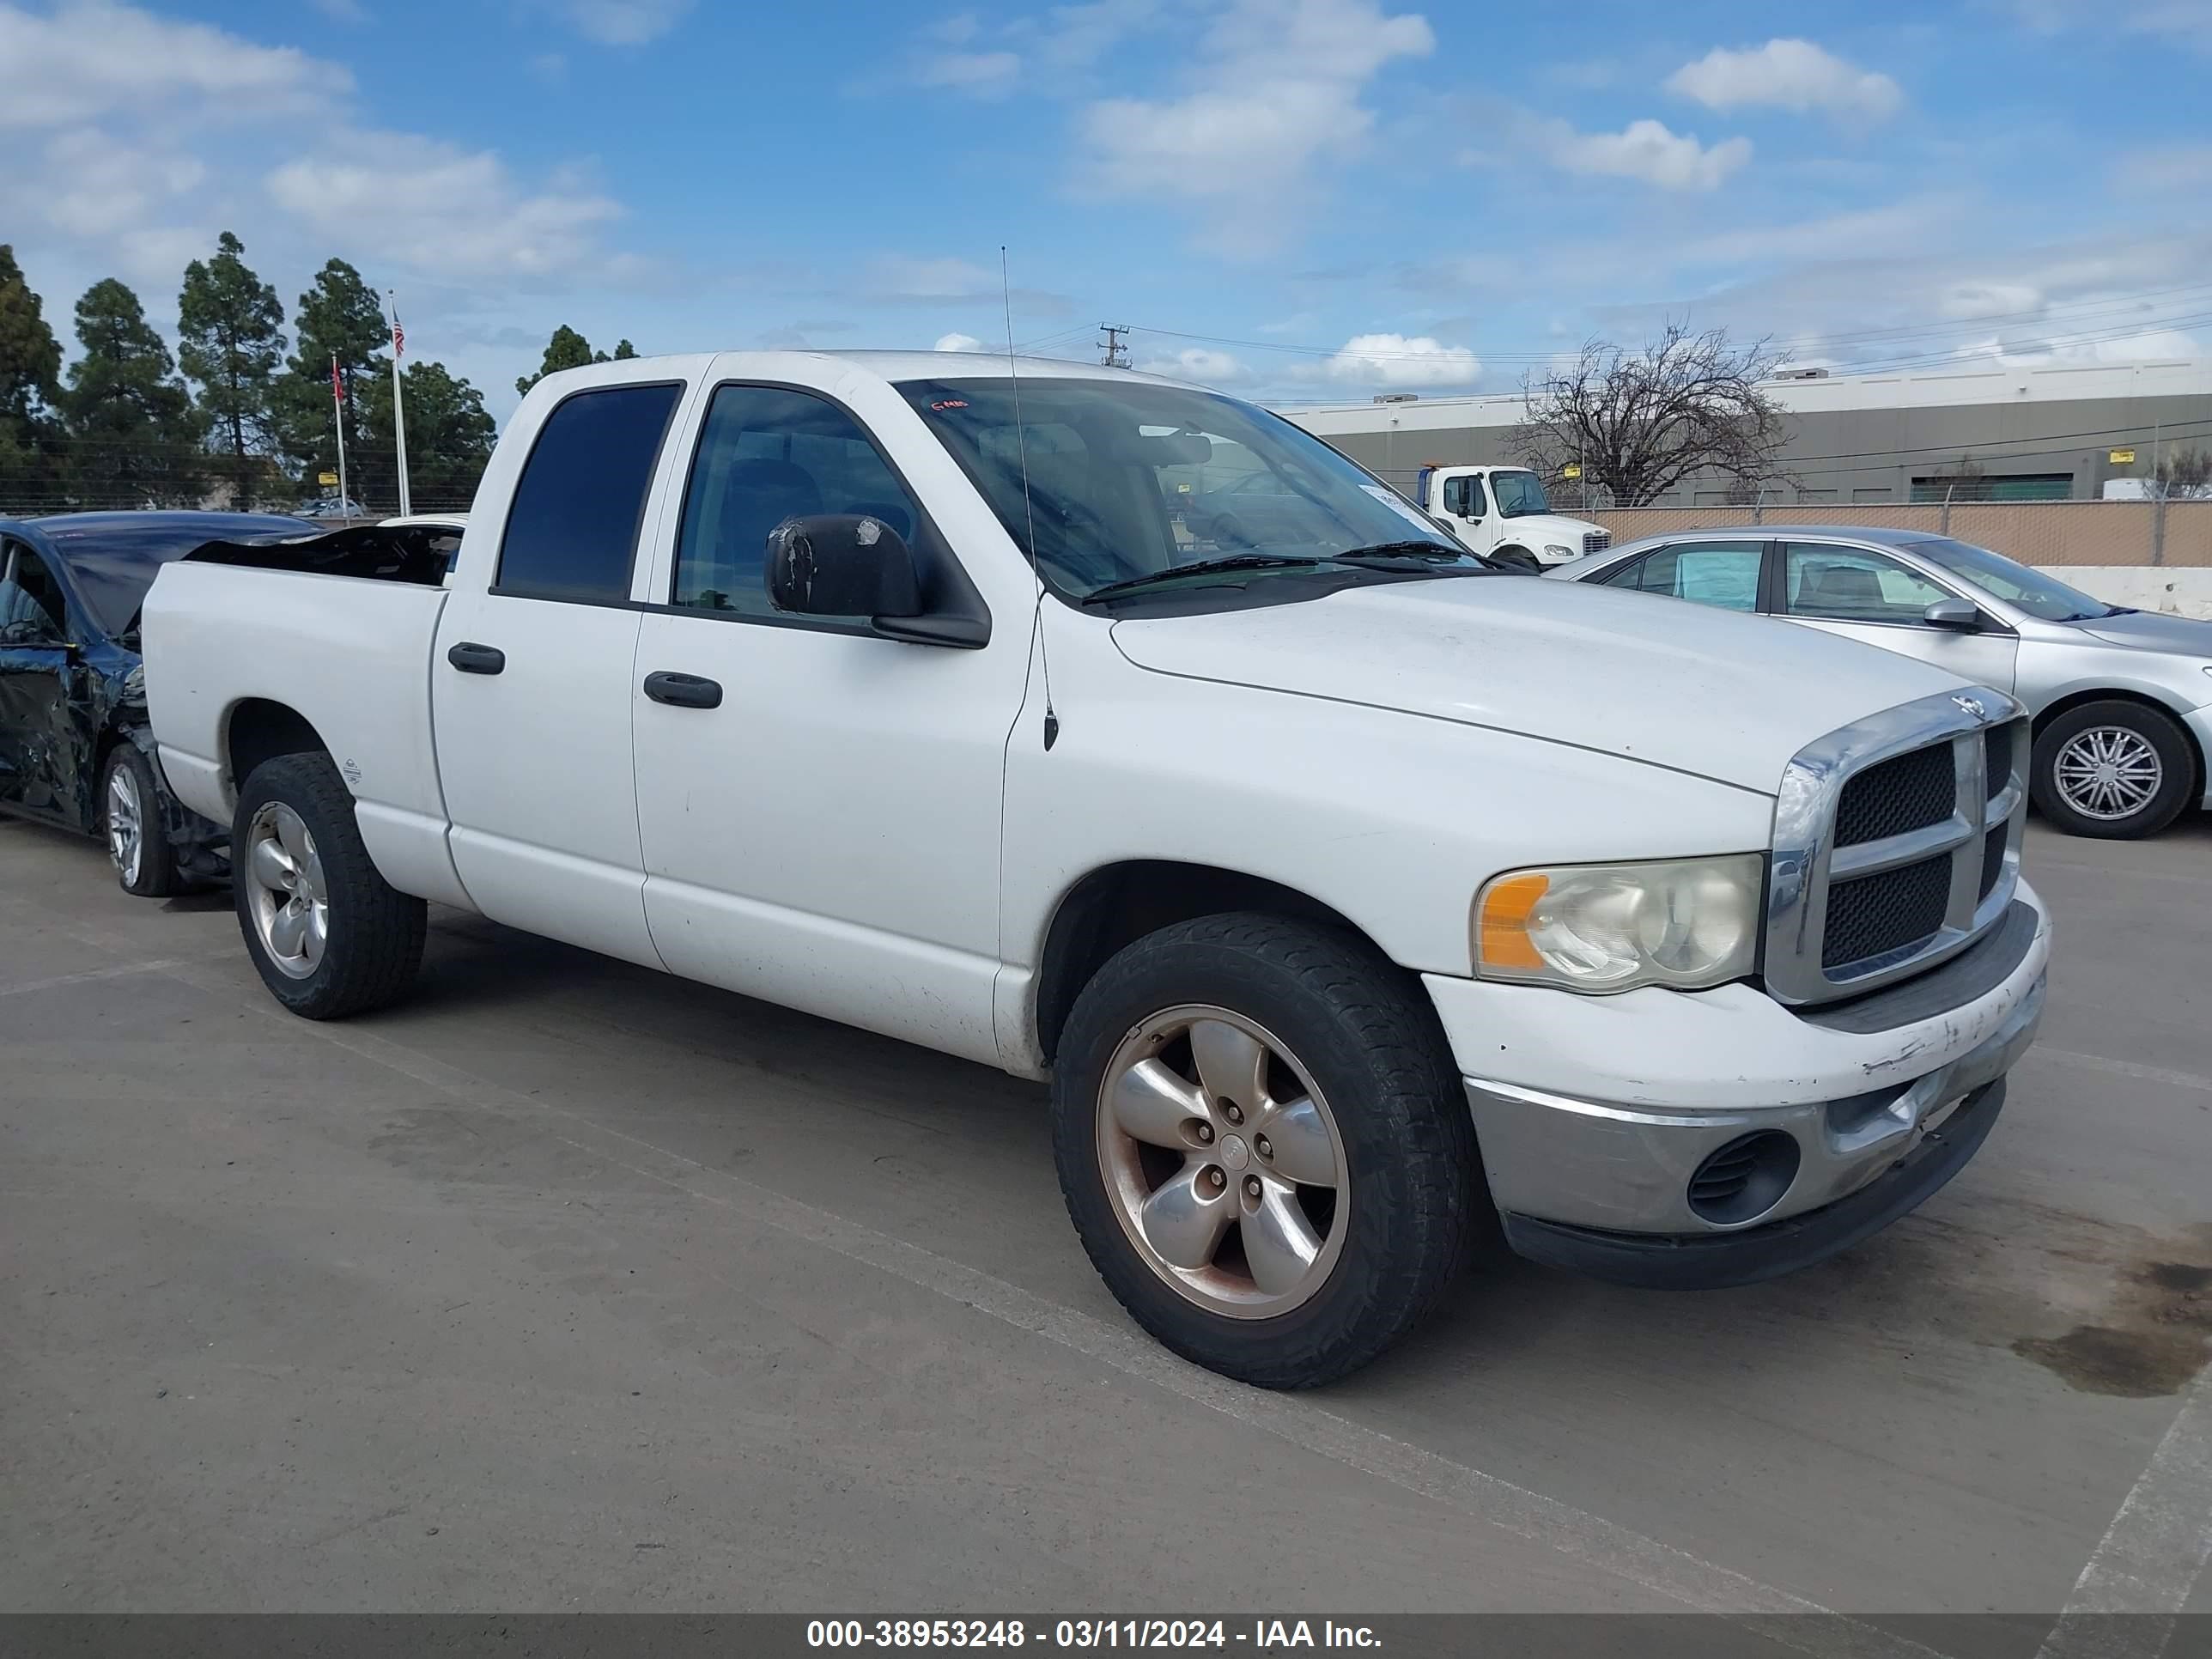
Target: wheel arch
(2074, 700)
(1118, 903)
(258, 729)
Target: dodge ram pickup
(1360, 904)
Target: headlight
(1553, 551)
(1688, 923)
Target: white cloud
(957, 342)
(2176, 168)
(1201, 365)
(1646, 150)
(902, 278)
(2189, 21)
(1399, 360)
(92, 184)
(1276, 93)
(441, 209)
(625, 22)
(1969, 300)
(90, 58)
(1791, 74)
(984, 74)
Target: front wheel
(131, 820)
(2115, 769)
(1264, 1146)
(329, 935)
(1517, 558)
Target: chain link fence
(93, 475)
(2166, 533)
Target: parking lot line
(1604, 1544)
(2151, 1557)
(2123, 1068)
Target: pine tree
(135, 436)
(339, 317)
(449, 436)
(30, 363)
(566, 349)
(230, 324)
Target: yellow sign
(1571, 469)
(329, 478)
(2122, 457)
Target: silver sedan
(2122, 699)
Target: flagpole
(338, 414)
(398, 414)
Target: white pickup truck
(1356, 899)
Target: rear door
(1723, 573)
(531, 680)
(1864, 594)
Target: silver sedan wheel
(1223, 1161)
(285, 891)
(127, 824)
(2108, 772)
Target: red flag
(337, 386)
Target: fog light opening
(1745, 1179)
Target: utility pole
(1114, 355)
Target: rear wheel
(329, 935)
(2114, 770)
(1264, 1146)
(130, 823)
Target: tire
(1517, 558)
(1355, 1034)
(131, 824)
(2115, 769)
(371, 939)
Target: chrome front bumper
(1591, 1164)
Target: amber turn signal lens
(1506, 908)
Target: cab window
(31, 610)
(1851, 584)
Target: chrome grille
(1896, 845)
(1596, 541)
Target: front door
(1466, 503)
(41, 745)
(531, 683)
(819, 806)
(1865, 595)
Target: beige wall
(2102, 533)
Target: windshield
(1519, 494)
(113, 557)
(1128, 480)
(2041, 596)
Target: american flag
(398, 334)
(337, 386)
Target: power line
(1114, 354)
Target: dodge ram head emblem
(1972, 706)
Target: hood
(1535, 526)
(1683, 686)
(2152, 630)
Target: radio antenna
(1021, 439)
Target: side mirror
(842, 564)
(1960, 616)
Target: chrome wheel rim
(285, 891)
(2108, 772)
(126, 830)
(1223, 1161)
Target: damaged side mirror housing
(842, 564)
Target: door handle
(473, 659)
(684, 690)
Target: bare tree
(2181, 475)
(1963, 480)
(1640, 422)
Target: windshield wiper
(1201, 567)
(1432, 551)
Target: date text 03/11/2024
(1263, 1634)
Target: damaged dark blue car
(75, 750)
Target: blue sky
(1301, 199)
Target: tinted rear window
(572, 529)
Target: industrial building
(1983, 433)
